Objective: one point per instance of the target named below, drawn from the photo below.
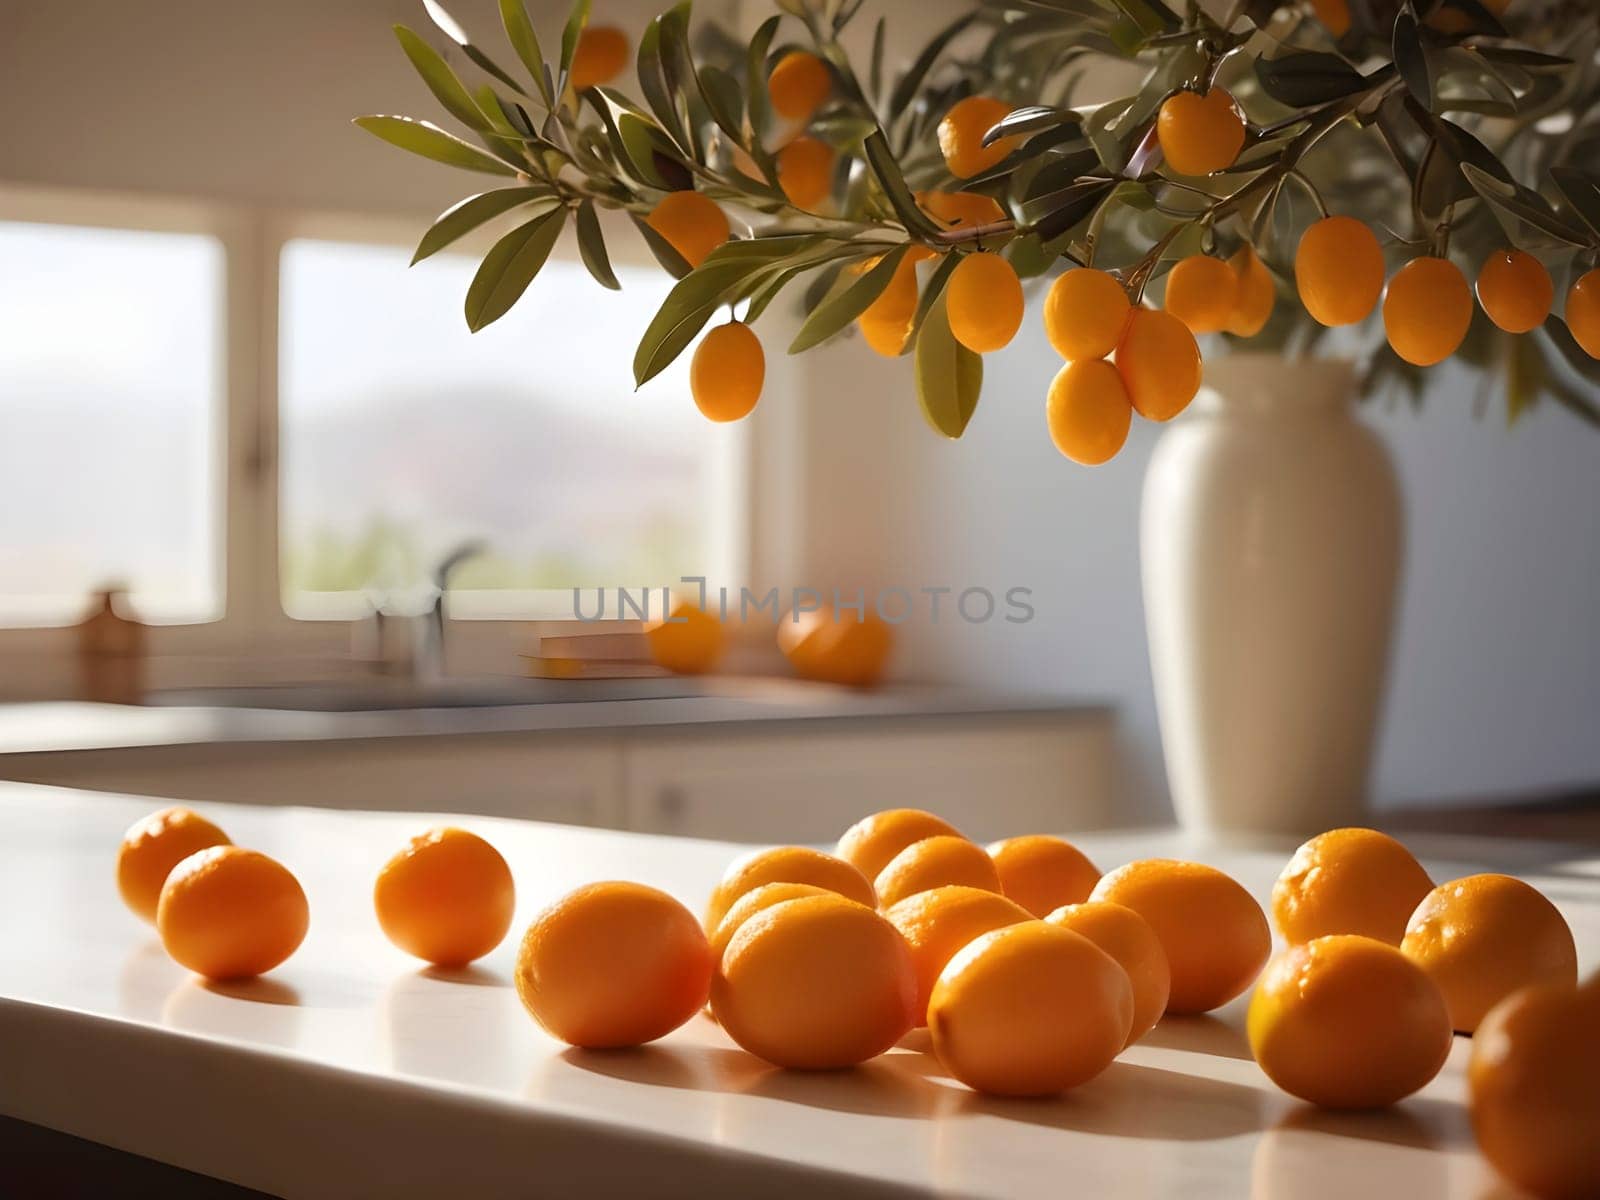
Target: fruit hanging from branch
(1350, 157)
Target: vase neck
(1270, 385)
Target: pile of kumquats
(1030, 969)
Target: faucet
(430, 661)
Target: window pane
(109, 421)
(404, 435)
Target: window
(110, 421)
(403, 435)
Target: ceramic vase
(1270, 543)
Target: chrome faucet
(430, 661)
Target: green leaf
(887, 171)
(1151, 16)
(1518, 210)
(677, 67)
(767, 292)
(838, 310)
(905, 91)
(1107, 141)
(653, 156)
(662, 250)
(1528, 60)
(592, 247)
(509, 268)
(1306, 79)
(932, 292)
(720, 91)
(1581, 191)
(463, 218)
(653, 83)
(1410, 58)
(570, 35)
(875, 68)
(949, 376)
(1055, 213)
(768, 248)
(451, 28)
(519, 31)
(441, 80)
(1029, 120)
(684, 312)
(428, 140)
(758, 99)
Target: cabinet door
(990, 778)
(570, 780)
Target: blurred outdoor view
(111, 403)
(404, 435)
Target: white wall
(1496, 671)
(1497, 668)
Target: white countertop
(350, 1072)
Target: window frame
(253, 621)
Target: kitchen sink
(391, 694)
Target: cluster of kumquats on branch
(1357, 154)
(1031, 971)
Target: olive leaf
(1409, 56)
(905, 90)
(758, 100)
(723, 100)
(452, 29)
(592, 247)
(1523, 213)
(684, 313)
(570, 33)
(428, 140)
(1582, 194)
(441, 80)
(519, 32)
(932, 292)
(653, 83)
(949, 377)
(1028, 120)
(662, 250)
(1308, 78)
(509, 268)
(461, 219)
(887, 171)
(837, 311)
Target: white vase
(1270, 538)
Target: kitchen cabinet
(988, 778)
(777, 776)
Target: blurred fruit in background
(687, 641)
(1534, 1094)
(830, 648)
